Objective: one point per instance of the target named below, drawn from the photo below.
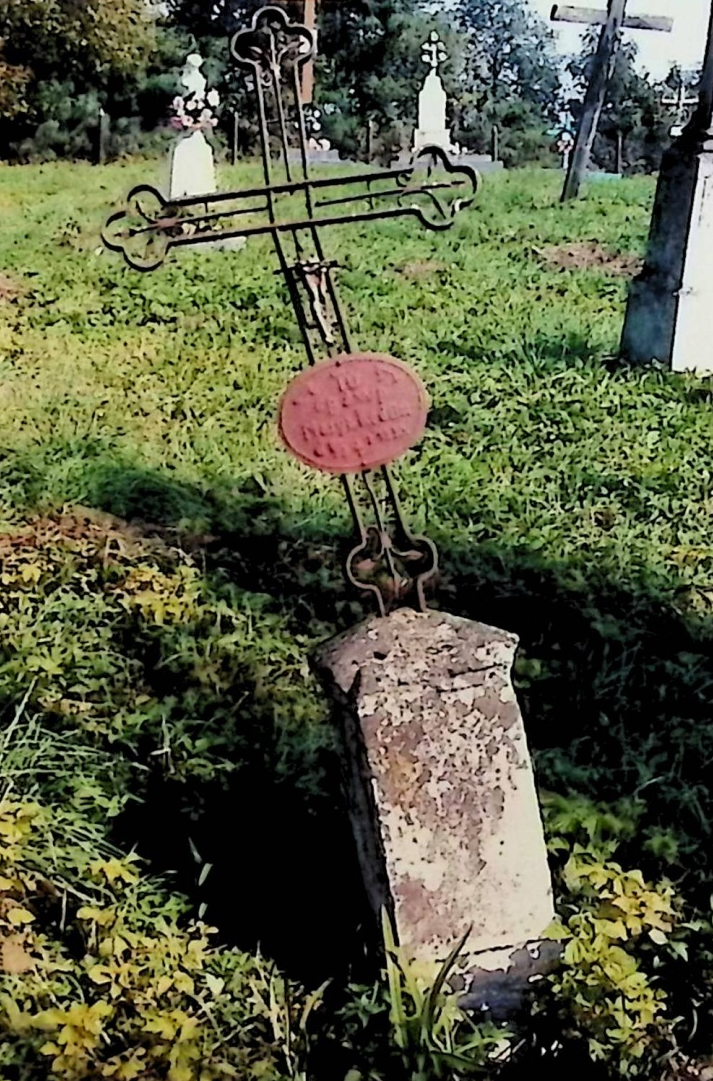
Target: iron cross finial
(434, 51)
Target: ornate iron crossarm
(149, 226)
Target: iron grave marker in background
(682, 102)
(441, 793)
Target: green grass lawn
(161, 657)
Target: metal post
(234, 140)
(370, 139)
(495, 143)
(102, 136)
(594, 99)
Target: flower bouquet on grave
(195, 113)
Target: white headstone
(192, 166)
(668, 313)
(691, 348)
(565, 146)
(432, 103)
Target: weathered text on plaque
(353, 412)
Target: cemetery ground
(166, 754)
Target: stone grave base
(482, 163)
(318, 157)
(441, 795)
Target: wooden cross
(387, 560)
(612, 21)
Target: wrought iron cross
(387, 560)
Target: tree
(77, 48)
(79, 40)
(511, 77)
(370, 70)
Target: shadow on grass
(604, 674)
(615, 686)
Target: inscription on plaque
(353, 412)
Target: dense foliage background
(60, 62)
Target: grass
(571, 500)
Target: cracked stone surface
(439, 783)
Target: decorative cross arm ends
(142, 231)
(430, 189)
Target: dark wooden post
(310, 21)
(495, 143)
(234, 139)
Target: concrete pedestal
(440, 788)
(668, 316)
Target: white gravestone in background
(192, 167)
(565, 146)
(192, 164)
(432, 129)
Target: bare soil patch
(9, 288)
(75, 524)
(420, 268)
(85, 526)
(587, 255)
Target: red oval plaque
(353, 412)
